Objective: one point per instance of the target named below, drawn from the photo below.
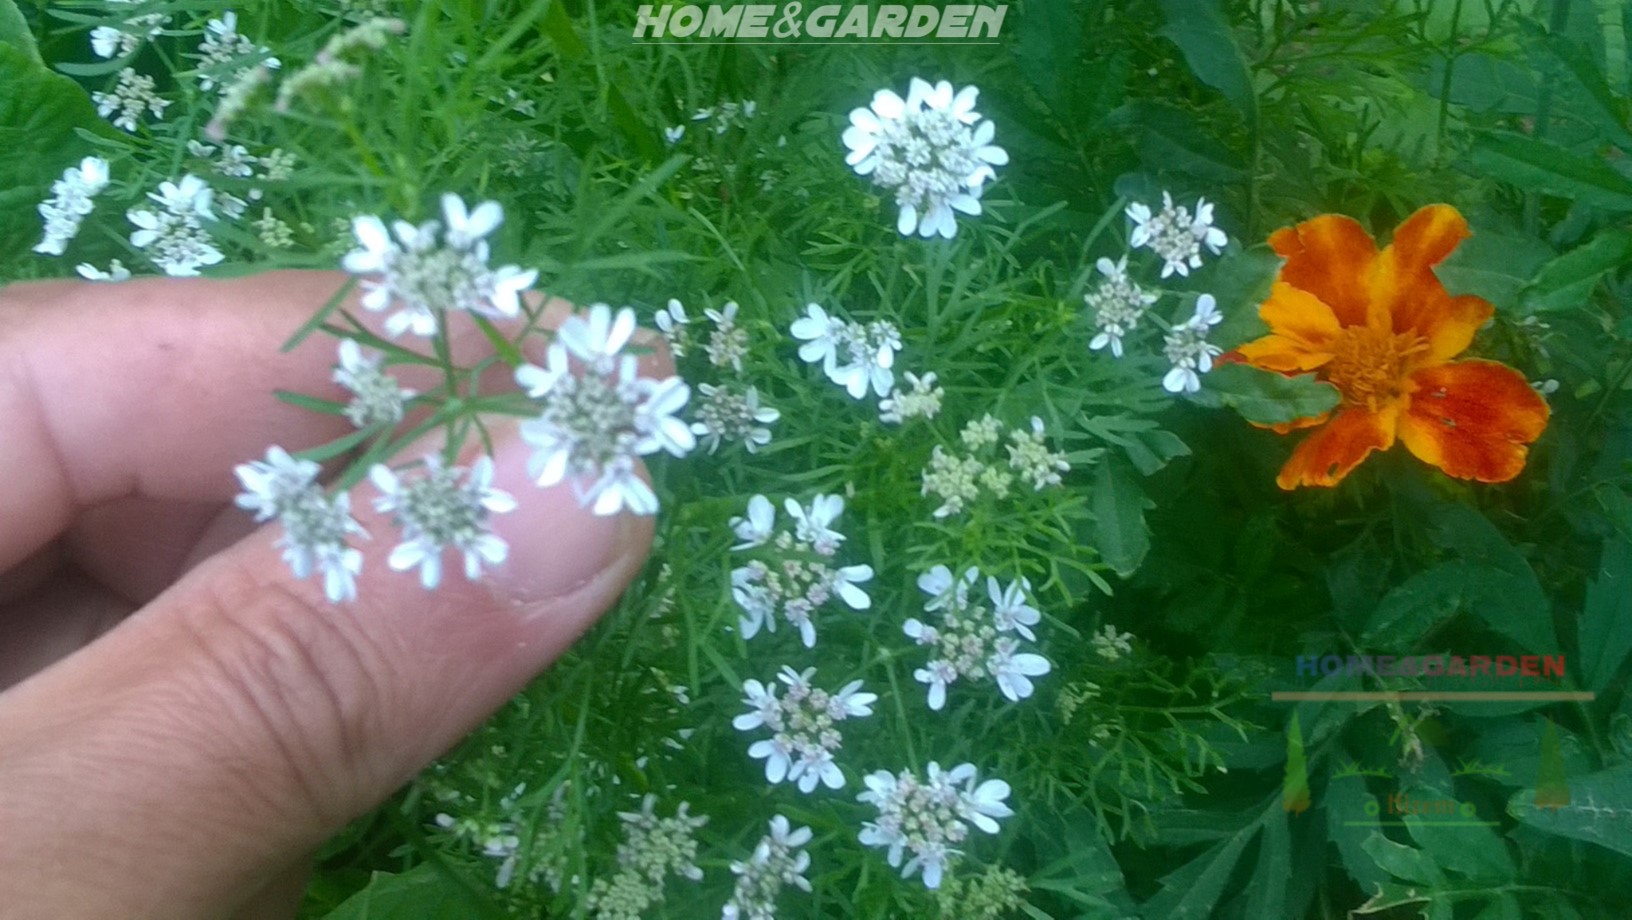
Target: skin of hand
(181, 720)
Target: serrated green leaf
(1267, 893)
(1530, 163)
(14, 31)
(1118, 504)
(1204, 36)
(1566, 282)
(1598, 811)
(1403, 862)
(1592, 90)
(1193, 889)
(1473, 851)
(1268, 398)
(1606, 617)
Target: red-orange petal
(1337, 447)
(1404, 284)
(1472, 419)
(1329, 256)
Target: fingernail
(556, 545)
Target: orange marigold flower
(1380, 327)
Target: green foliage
(1157, 782)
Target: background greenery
(1162, 795)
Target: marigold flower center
(1367, 364)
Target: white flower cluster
(316, 528)
(778, 860)
(923, 400)
(174, 235)
(797, 578)
(1174, 234)
(225, 54)
(1118, 304)
(429, 272)
(932, 150)
(70, 202)
(854, 355)
(1112, 645)
(1186, 346)
(930, 817)
(434, 509)
(803, 725)
(652, 848)
(973, 640)
(376, 397)
(133, 93)
(960, 480)
(119, 40)
(728, 411)
(598, 422)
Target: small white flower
(1030, 457)
(821, 334)
(922, 401)
(597, 423)
(1174, 234)
(116, 271)
(435, 510)
(428, 273)
(932, 150)
(133, 94)
(811, 524)
(755, 529)
(222, 47)
(801, 580)
(970, 641)
(1013, 669)
(1009, 607)
(376, 397)
(174, 236)
(70, 202)
(1118, 304)
(674, 133)
(119, 40)
(672, 322)
(315, 527)
(1110, 644)
(1186, 346)
(598, 341)
(930, 817)
(732, 415)
(728, 343)
(803, 722)
(779, 859)
(867, 351)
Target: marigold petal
(1404, 284)
(1331, 451)
(1473, 419)
(1283, 354)
(1329, 256)
(1302, 330)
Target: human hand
(184, 719)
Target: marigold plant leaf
(1266, 398)
(1567, 282)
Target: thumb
(173, 766)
